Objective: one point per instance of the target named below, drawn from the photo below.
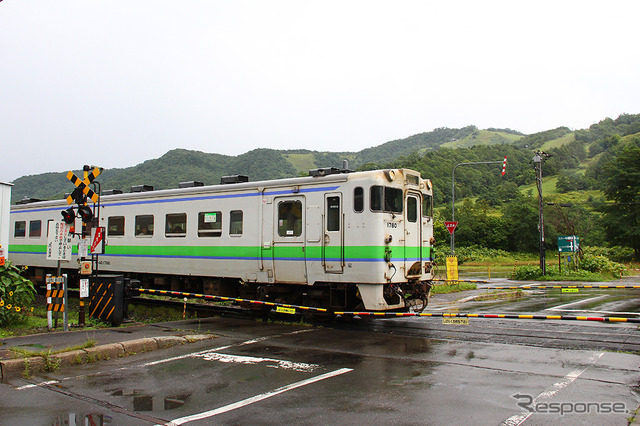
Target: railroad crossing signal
(80, 195)
(82, 187)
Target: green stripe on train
(252, 252)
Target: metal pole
(65, 315)
(453, 194)
(537, 162)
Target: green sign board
(568, 243)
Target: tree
(521, 220)
(621, 178)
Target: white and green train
(338, 240)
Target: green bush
(616, 254)
(526, 272)
(601, 264)
(16, 294)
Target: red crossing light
(69, 216)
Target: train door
(333, 248)
(413, 234)
(289, 258)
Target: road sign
(59, 241)
(97, 240)
(568, 244)
(452, 268)
(451, 226)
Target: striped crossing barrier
(544, 287)
(289, 308)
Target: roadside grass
(27, 353)
(452, 288)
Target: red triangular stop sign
(451, 226)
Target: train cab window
(115, 226)
(386, 199)
(412, 209)
(333, 213)
(176, 225)
(144, 226)
(35, 229)
(290, 218)
(209, 224)
(235, 222)
(20, 229)
(358, 199)
(427, 205)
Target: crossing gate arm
(390, 314)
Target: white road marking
(200, 353)
(579, 302)
(271, 362)
(35, 385)
(518, 419)
(257, 398)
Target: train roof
(241, 186)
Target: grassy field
(302, 162)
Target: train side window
(290, 218)
(377, 194)
(144, 226)
(235, 222)
(209, 224)
(427, 205)
(333, 213)
(20, 229)
(35, 229)
(412, 209)
(358, 199)
(176, 225)
(115, 226)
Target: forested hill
(432, 153)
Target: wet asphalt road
(391, 371)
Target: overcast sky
(114, 83)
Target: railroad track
(549, 334)
(623, 337)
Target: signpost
(59, 242)
(567, 244)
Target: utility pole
(537, 161)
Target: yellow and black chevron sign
(55, 298)
(83, 185)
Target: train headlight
(390, 175)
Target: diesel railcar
(336, 239)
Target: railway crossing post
(87, 247)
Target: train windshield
(386, 199)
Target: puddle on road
(143, 401)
